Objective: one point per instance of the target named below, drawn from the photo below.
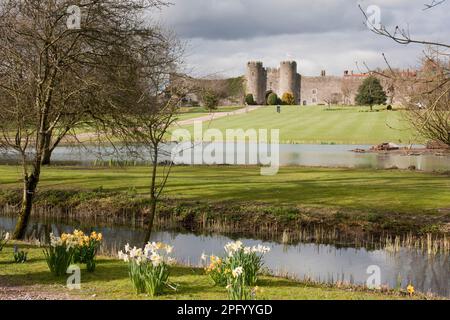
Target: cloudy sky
(222, 35)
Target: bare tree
(427, 98)
(147, 125)
(51, 75)
(141, 113)
(426, 92)
(333, 98)
(403, 35)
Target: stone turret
(289, 79)
(256, 81)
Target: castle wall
(320, 90)
(273, 77)
(324, 89)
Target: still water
(289, 154)
(325, 263)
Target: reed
(116, 209)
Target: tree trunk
(151, 218)
(46, 158)
(29, 188)
(153, 197)
(47, 152)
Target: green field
(368, 190)
(110, 281)
(187, 113)
(319, 124)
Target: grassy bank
(110, 281)
(224, 198)
(373, 190)
(319, 124)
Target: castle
(259, 81)
(307, 90)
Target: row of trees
(109, 72)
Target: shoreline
(288, 224)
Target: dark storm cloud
(321, 34)
(239, 19)
(234, 19)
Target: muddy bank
(265, 221)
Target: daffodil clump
(237, 288)
(249, 258)
(73, 247)
(86, 248)
(4, 238)
(149, 268)
(238, 270)
(217, 269)
(59, 253)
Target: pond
(324, 263)
(226, 153)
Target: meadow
(325, 125)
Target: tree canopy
(370, 93)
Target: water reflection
(290, 154)
(324, 263)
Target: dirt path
(212, 116)
(13, 292)
(217, 115)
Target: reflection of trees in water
(423, 271)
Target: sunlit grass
(320, 124)
(370, 190)
(110, 281)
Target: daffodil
(410, 289)
(237, 272)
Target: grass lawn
(369, 190)
(110, 281)
(319, 124)
(197, 112)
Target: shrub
(389, 108)
(86, 249)
(149, 267)
(210, 100)
(272, 99)
(288, 98)
(60, 253)
(250, 100)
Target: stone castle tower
(284, 79)
(256, 81)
